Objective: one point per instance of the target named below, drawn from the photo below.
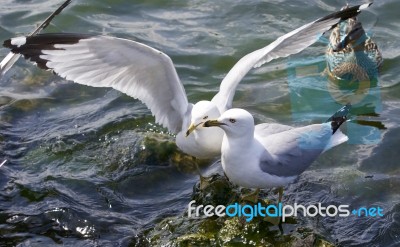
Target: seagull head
(235, 122)
(201, 112)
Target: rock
(224, 231)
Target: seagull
(147, 74)
(11, 58)
(351, 53)
(272, 155)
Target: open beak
(211, 123)
(191, 128)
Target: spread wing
(133, 68)
(288, 44)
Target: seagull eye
(232, 120)
(205, 117)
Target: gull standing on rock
(272, 155)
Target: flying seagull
(149, 75)
(11, 58)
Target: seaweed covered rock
(224, 231)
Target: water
(78, 170)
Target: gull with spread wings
(149, 75)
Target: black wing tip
(339, 117)
(31, 47)
(346, 13)
(7, 43)
(45, 39)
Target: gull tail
(337, 120)
(11, 58)
(336, 139)
(339, 117)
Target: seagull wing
(290, 152)
(133, 68)
(266, 129)
(11, 58)
(288, 44)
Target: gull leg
(203, 180)
(251, 197)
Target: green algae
(182, 231)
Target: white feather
(130, 67)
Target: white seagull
(149, 75)
(272, 155)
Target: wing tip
(7, 43)
(339, 117)
(364, 6)
(346, 13)
(32, 47)
(15, 42)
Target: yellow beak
(192, 127)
